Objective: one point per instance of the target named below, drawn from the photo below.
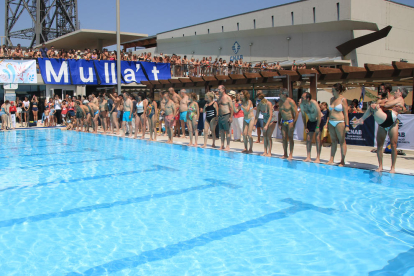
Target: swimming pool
(83, 204)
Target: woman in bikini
(152, 119)
(248, 121)
(266, 108)
(192, 118)
(211, 111)
(338, 123)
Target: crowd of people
(225, 116)
(180, 65)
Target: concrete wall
(325, 11)
(267, 44)
(399, 42)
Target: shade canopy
(92, 39)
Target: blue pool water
(81, 204)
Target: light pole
(118, 48)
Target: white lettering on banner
(129, 75)
(64, 71)
(106, 73)
(112, 72)
(138, 66)
(155, 72)
(82, 75)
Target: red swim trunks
(169, 121)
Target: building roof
(85, 38)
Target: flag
(361, 99)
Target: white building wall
(325, 11)
(399, 44)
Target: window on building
(254, 23)
(195, 33)
(293, 20)
(222, 29)
(183, 34)
(273, 21)
(208, 31)
(337, 10)
(237, 25)
(314, 15)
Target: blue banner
(82, 72)
(106, 70)
(54, 71)
(157, 71)
(102, 72)
(132, 71)
(361, 135)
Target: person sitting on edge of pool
(288, 115)
(311, 109)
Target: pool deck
(356, 157)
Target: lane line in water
(44, 154)
(63, 164)
(172, 250)
(26, 141)
(157, 168)
(62, 214)
(44, 146)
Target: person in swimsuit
(225, 117)
(80, 115)
(26, 107)
(19, 111)
(144, 118)
(170, 113)
(387, 121)
(310, 108)
(192, 118)
(127, 115)
(162, 114)
(211, 111)
(114, 113)
(152, 112)
(288, 115)
(103, 111)
(4, 115)
(338, 123)
(35, 109)
(176, 99)
(94, 114)
(248, 121)
(183, 110)
(138, 115)
(265, 107)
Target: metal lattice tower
(50, 19)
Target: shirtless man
(94, 116)
(225, 116)
(176, 99)
(127, 117)
(51, 52)
(88, 114)
(163, 102)
(183, 110)
(288, 115)
(170, 113)
(385, 114)
(114, 112)
(311, 108)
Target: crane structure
(49, 19)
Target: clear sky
(152, 17)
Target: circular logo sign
(236, 47)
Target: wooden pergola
(398, 74)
